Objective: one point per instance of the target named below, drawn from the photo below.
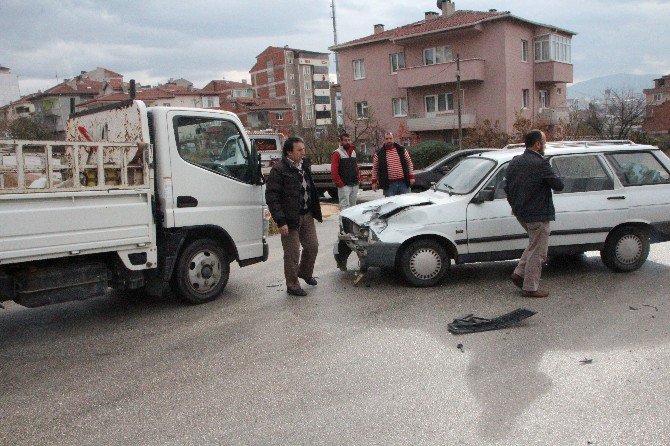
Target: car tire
(424, 263)
(201, 272)
(626, 249)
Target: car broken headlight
(378, 226)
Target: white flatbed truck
(135, 197)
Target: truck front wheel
(202, 272)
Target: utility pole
(458, 96)
(337, 68)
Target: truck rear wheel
(202, 272)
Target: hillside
(594, 88)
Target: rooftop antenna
(332, 7)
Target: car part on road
(472, 324)
(626, 249)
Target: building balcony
(441, 121)
(552, 72)
(554, 115)
(471, 70)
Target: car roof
(568, 147)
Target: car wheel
(202, 272)
(626, 249)
(424, 263)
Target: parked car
(616, 200)
(424, 179)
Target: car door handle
(618, 197)
(184, 201)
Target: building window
(308, 101)
(362, 110)
(309, 116)
(279, 116)
(294, 106)
(359, 69)
(525, 98)
(306, 72)
(553, 47)
(291, 76)
(399, 107)
(439, 103)
(397, 62)
(658, 96)
(308, 85)
(289, 57)
(272, 92)
(292, 91)
(544, 99)
(436, 55)
(268, 65)
(524, 51)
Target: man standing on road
(344, 171)
(294, 204)
(392, 168)
(529, 182)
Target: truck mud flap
(36, 287)
(472, 324)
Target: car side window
(582, 173)
(497, 183)
(638, 169)
(214, 144)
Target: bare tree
(363, 129)
(617, 114)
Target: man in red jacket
(344, 170)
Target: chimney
(379, 28)
(244, 81)
(447, 6)
(431, 15)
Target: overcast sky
(201, 40)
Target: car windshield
(466, 175)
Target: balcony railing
(554, 115)
(553, 72)
(471, 70)
(443, 121)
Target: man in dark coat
(294, 204)
(529, 182)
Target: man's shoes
(537, 293)
(517, 280)
(310, 280)
(296, 292)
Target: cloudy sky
(201, 40)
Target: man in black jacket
(294, 204)
(530, 180)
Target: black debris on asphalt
(460, 347)
(472, 323)
(586, 361)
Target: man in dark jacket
(294, 204)
(344, 171)
(529, 182)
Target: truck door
(212, 175)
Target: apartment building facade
(406, 77)
(9, 86)
(300, 79)
(657, 120)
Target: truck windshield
(215, 144)
(466, 176)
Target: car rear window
(638, 169)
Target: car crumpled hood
(384, 208)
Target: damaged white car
(616, 200)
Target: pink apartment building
(406, 76)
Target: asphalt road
(372, 364)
